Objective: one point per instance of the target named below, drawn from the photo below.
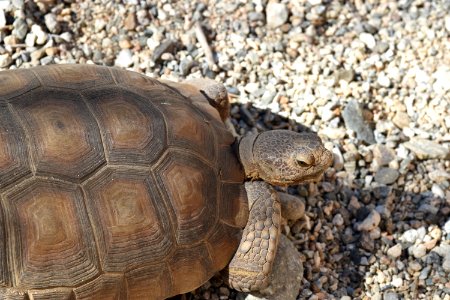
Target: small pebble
(276, 14)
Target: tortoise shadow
(326, 199)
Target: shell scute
(50, 237)
(133, 129)
(75, 77)
(16, 82)
(130, 224)
(190, 188)
(65, 138)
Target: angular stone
(276, 14)
(383, 155)
(287, 273)
(424, 149)
(386, 176)
(401, 119)
(370, 222)
(395, 251)
(354, 120)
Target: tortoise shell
(113, 186)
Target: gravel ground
(371, 77)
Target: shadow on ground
(337, 256)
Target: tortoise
(115, 185)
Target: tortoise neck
(246, 156)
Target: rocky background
(371, 77)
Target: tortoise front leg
(251, 265)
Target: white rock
(30, 39)
(395, 251)
(397, 282)
(41, 36)
(367, 39)
(338, 159)
(383, 80)
(442, 83)
(2, 18)
(438, 191)
(421, 233)
(276, 14)
(418, 250)
(409, 236)
(447, 23)
(447, 227)
(5, 60)
(124, 59)
(251, 87)
(421, 76)
(338, 220)
(4, 4)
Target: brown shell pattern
(112, 186)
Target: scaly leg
(251, 265)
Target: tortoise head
(283, 157)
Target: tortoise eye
(304, 160)
(302, 163)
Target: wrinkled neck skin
(245, 151)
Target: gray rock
(383, 155)
(354, 120)
(446, 263)
(443, 250)
(124, 59)
(47, 60)
(287, 273)
(292, 207)
(424, 149)
(168, 46)
(52, 24)
(20, 28)
(5, 60)
(186, 66)
(425, 272)
(386, 175)
(381, 47)
(276, 14)
(255, 16)
(439, 176)
(390, 296)
(345, 75)
(418, 251)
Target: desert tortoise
(118, 186)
